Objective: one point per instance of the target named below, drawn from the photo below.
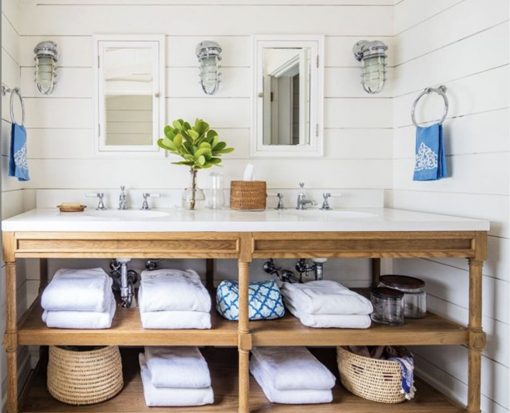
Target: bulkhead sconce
(46, 57)
(372, 55)
(209, 57)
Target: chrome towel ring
(441, 90)
(15, 91)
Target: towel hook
(441, 90)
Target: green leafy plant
(199, 146)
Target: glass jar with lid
(388, 306)
(415, 297)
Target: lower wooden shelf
(223, 366)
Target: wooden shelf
(223, 367)
(126, 330)
(431, 330)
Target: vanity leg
(43, 282)
(209, 274)
(375, 264)
(476, 335)
(244, 344)
(43, 274)
(11, 337)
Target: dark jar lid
(384, 292)
(402, 281)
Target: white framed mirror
(288, 95)
(129, 92)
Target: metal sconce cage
(372, 54)
(46, 58)
(209, 57)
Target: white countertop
(227, 220)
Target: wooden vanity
(231, 381)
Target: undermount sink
(126, 213)
(329, 214)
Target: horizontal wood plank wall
(465, 45)
(13, 199)
(358, 126)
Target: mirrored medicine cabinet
(288, 96)
(129, 92)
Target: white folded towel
(81, 319)
(325, 297)
(175, 320)
(301, 396)
(78, 290)
(330, 320)
(168, 290)
(172, 396)
(293, 368)
(177, 367)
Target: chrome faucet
(301, 198)
(100, 200)
(325, 203)
(145, 203)
(279, 195)
(123, 203)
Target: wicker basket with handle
(369, 378)
(248, 195)
(81, 377)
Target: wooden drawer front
(362, 247)
(133, 248)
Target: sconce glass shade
(372, 55)
(209, 57)
(46, 57)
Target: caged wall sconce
(46, 57)
(209, 57)
(372, 54)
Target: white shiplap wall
(14, 199)
(60, 125)
(464, 45)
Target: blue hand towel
(430, 154)
(18, 164)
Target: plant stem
(193, 188)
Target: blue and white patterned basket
(265, 300)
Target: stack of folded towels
(173, 299)
(291, 375)
(327, 304)
(81, 299)
(175, 376)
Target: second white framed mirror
(288, 94)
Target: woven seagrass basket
(81, 377)
(248, 195)
(369, 378)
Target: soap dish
(71, 207)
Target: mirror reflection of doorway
(285, 103)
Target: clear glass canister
(216, 198)
(388, 306)
(415, 297)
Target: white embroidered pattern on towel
(426, 158)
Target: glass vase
(193, 197)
